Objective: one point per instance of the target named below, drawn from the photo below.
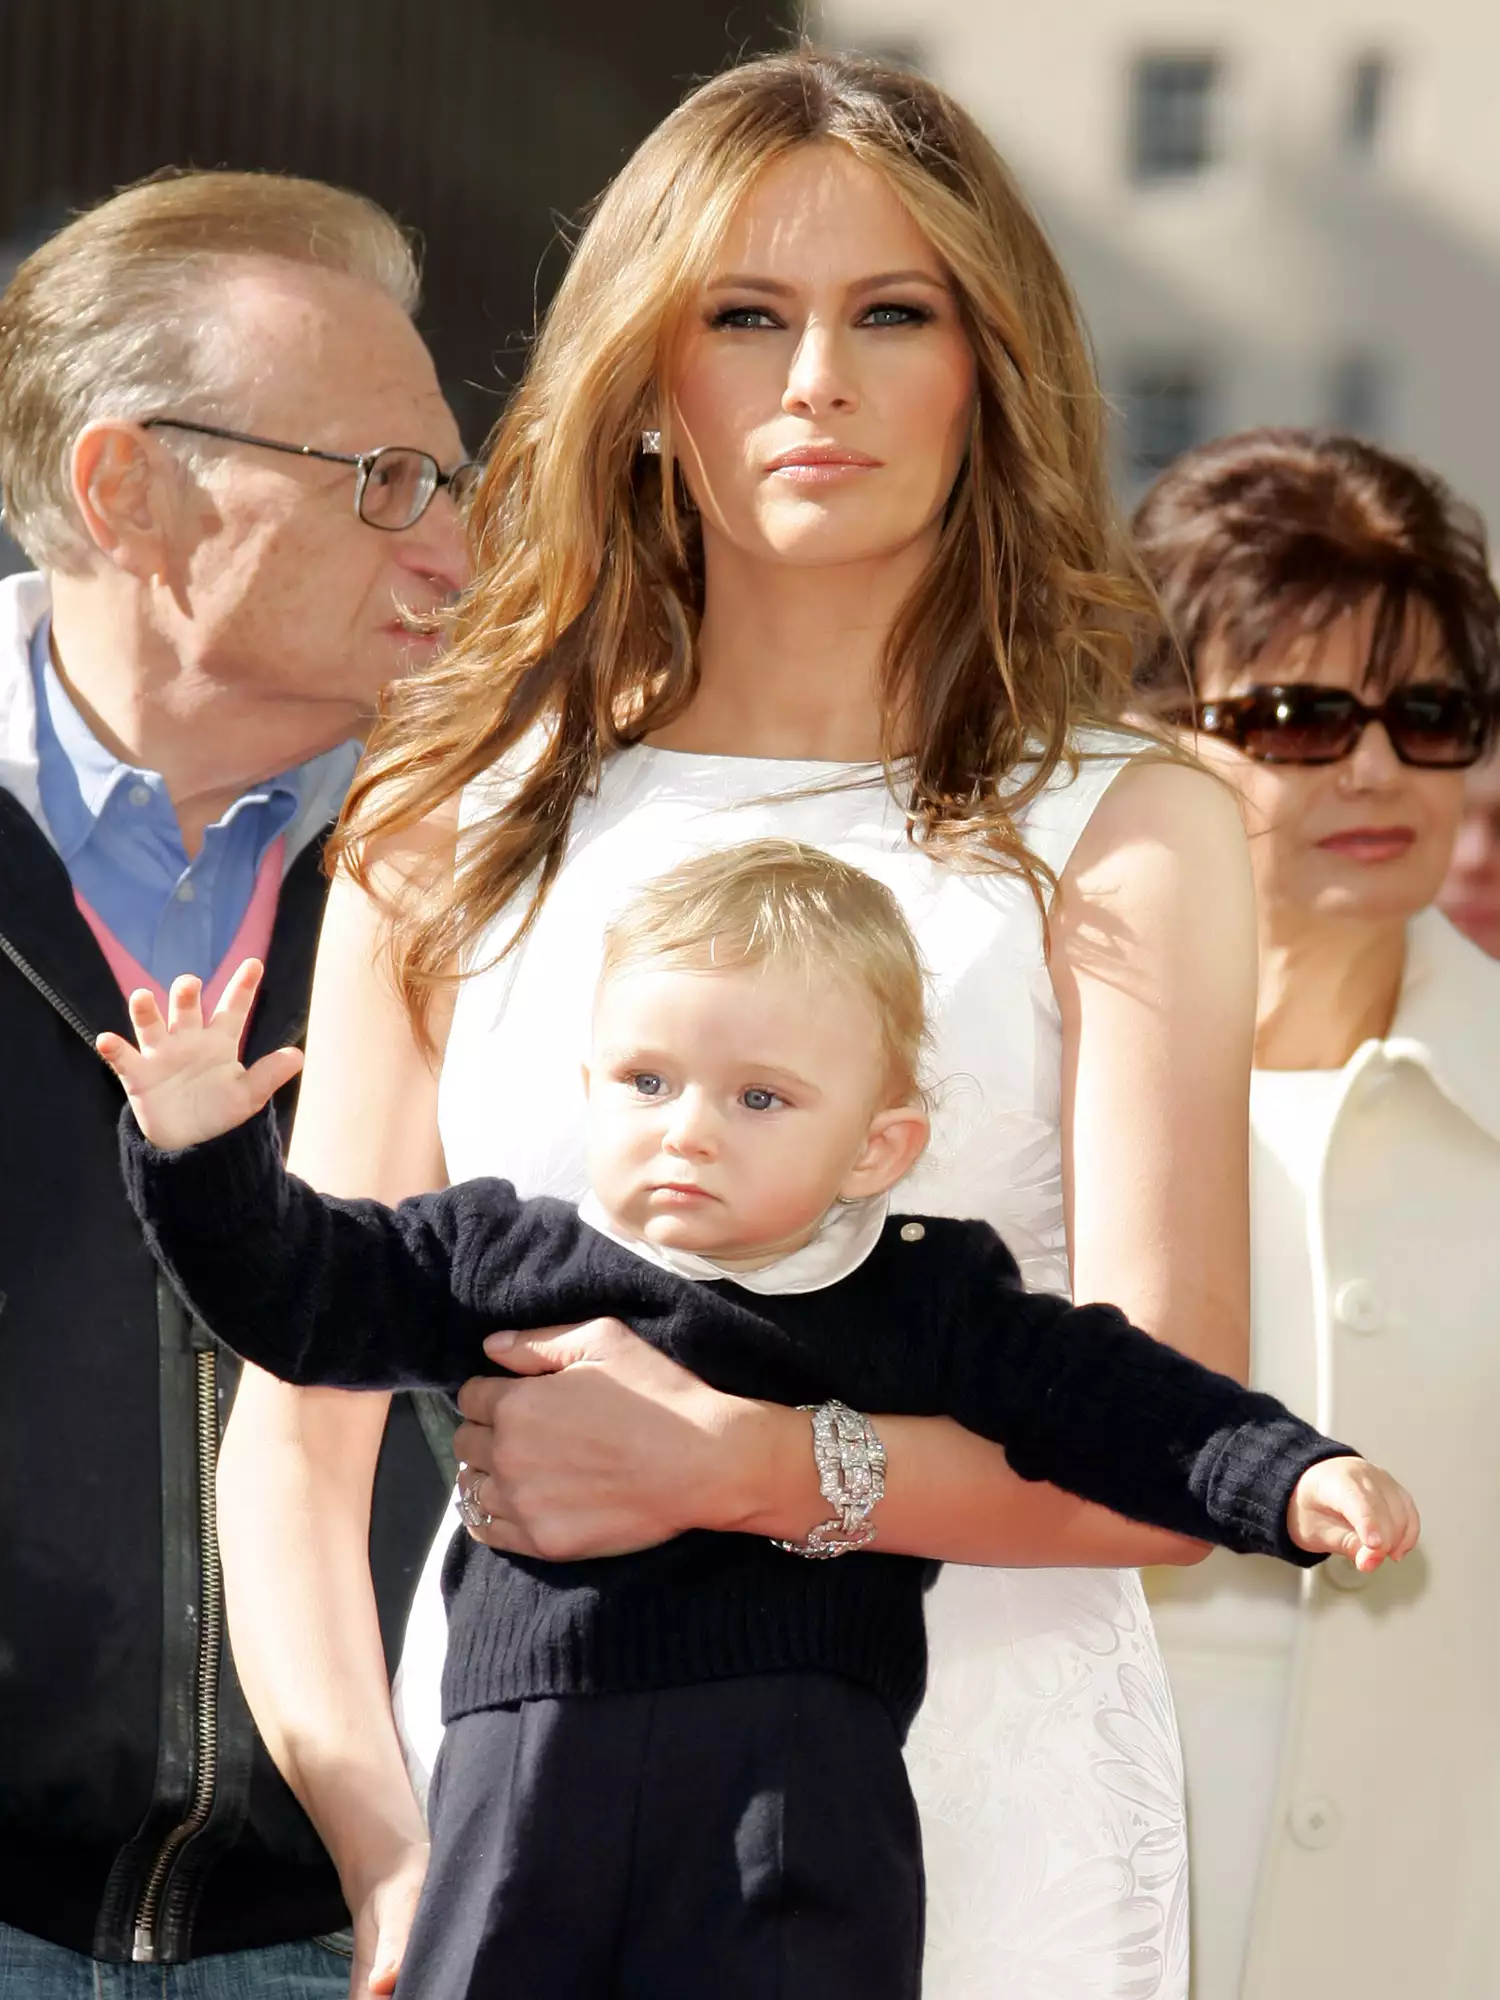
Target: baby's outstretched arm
(185, 1080)
(1080, 1397)
(345, 1294)
(1348, 1507)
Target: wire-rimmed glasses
(393, 485)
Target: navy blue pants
(749, 1839)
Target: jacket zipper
(50, 994)
(211, 1592)
(210, 1635)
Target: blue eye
(895, 315)
(743, 318)
(646, 1083)
(756, 1099)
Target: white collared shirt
(844, 1239)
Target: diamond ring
(466, 1500)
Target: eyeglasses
(393, 486)
(1431, 725)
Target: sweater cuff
(1253, 1483)
(228, 1177)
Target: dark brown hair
(1271, 534)
(581, 625)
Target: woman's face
(1365, 838)
(823, 390)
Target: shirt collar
(75, 773)
(308, 796)
(319, 787)
(1448, 1019)
(23, 601)
(845, 1238)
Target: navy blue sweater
(354, 1295)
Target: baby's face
(728, 1109)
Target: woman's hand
(612, 1447)
(383, 1915)
(609, 1446)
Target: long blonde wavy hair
(582, 619)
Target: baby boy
(690, 1757)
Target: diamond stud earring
(651, 443)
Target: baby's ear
(893, 1146)
(583, 1071)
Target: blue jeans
(31, 1969)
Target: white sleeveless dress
(1045, 1760)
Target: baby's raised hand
(185, 1080)
(1348, 1507)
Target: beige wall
(1288, 253)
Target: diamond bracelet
(851, 1475)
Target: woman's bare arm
(1153, 962)
(1154, 965)
(298, 1465)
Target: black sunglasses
(393, 486)
(1432, 725)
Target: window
(1358, 396)
(1369, 89)
(1166, 411)
(1172, 127)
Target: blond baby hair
(782, 902)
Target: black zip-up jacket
(140, 1816)
(935, 1321)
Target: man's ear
(125, 486)
(892, 1148)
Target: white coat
(1377, 1857)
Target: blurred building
(1273, 210)
(485, 125)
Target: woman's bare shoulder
(1159, 882)
(1159, 810)
(409, 858)
(367, 1113)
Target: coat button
(912, 1232)
(1356, 1306)
(1340, 1574)
(1314, 1822)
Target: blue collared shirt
(117, 834)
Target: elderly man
(225, 448)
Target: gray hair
(116, 316)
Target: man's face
(279, 587)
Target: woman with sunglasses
(1335, 615)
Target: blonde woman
(797, 526)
